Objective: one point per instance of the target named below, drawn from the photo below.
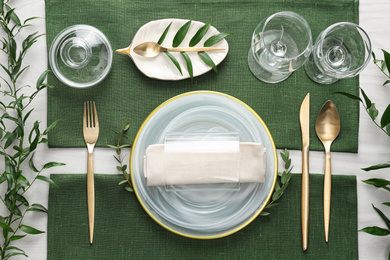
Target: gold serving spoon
(152, 49)
(327, 129)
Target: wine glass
(341, 51)
(80, 56)
(281, 44)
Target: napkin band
(245, 165)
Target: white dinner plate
(203, 213)
(161, 67)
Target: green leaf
(122, 182)
(367, 100)
(199, 34)
(31, 164)
(386, 82)
(215, 39)
(174, 60)
(129, 189)
(38, 208)
(383, 216)
(385, 120)
(52, 164)
(46, 179)
(10, 140)
(264, 213)
(16, 237)
(376, 231)
(30, 230)
(6, 227)
(284, 178)
(181, 33)
(13, 16)
(162, 38)
(50, 127)
(376, 167)
(387, 60)
(111, 146)
(386, 204)
(373, 112)
(189, 64)
(42, 78)
(348, 95)
(377, 182)
(206, 59)
(272, 205)
(23, 180)
(277, 194)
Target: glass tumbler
(342, 50)
(281, 44)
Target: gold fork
(91, 133)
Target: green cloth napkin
(123, 230)
(128, 94)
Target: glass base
(316, 75)
(262, 74)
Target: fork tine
(96, 116)
(90, 118)
(85, 115)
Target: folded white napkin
(247, 164)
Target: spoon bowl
(327, 129)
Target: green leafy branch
(282, 182)
(17, 143)
(178, 39)
(384, 122)
(375, 230)
(383, 65)
(122, 167)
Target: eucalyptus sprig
(18, 143)
(282, 182)
(199, 35)
(122, 167)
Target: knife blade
(304, 119)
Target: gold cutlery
(304, 116)
(152, 49)
(327, 129)
(91, 133)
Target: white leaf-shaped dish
(161, 67)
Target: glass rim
(292, 15)
(54, 48)
(365, 38)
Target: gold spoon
(327, 129)
(152, 49)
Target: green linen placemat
(127, 93)
(123, 230)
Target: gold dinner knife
(304, 116)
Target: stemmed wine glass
(281, 44)
(342, 50)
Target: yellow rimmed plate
(203, 213)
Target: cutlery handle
(305, 198)
(195, 49)
(327, 193)
(90, 196)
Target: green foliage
(118, 157)
(18, 143)
(179, 37)
(282, 182)
(384, 122)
